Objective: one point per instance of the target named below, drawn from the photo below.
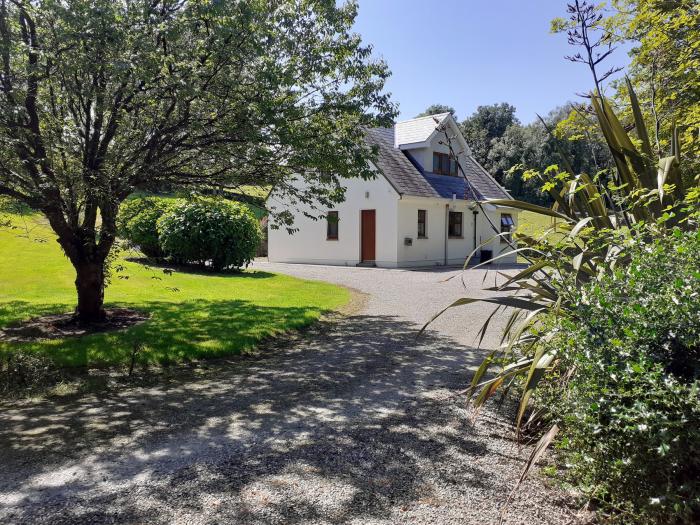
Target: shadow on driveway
(353, 422)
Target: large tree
(665, 70)
(533, 146)
(485, 125)
(664, 67)
(99, 98)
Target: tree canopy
(665, 69)
(99, 98)
(437, 109)
(485, 125)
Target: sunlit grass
(533, 225)
(193, 314)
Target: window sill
(455, 237)
(419, 237)
(331, 238)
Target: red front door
(367, 235)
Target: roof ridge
(436, 115)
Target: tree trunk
(87, 256)
(90, 284)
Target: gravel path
(353, 422)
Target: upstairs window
(421, 224)
(455, 225)
(507, 226)
(444, 165)
(332, 226)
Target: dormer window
(444, 165)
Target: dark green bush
(630, 410)
(216, 232)
(23, 371)
(9, 207)
(13, 206)
(138, 220)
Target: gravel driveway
(353, 421)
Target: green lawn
(193, 315)
(533, 224)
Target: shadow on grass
(198, 270)
(175, 332)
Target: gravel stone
(354, 421)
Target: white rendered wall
(457, 249)
(430, 251)
(396, 220)
(309, 244)
(485, 232)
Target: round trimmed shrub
(210, 231)
(138, 223)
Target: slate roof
(408, 178)
(417, 129)
(396, 166)
(449, 186)
(482, 181)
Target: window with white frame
(455, 225)
(332, 226)
(507, 227)
(421, 224)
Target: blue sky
(467, 53)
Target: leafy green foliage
(507, 148)
(138, 223)
(617, 368)
(627, 395)
(101, 98)
(10, 207)
(598, 222)
(221, 233)
(665, 68)
(485, 125)
(22, 371)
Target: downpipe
(447, 226)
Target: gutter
(475, 211)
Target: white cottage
(418, 211)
